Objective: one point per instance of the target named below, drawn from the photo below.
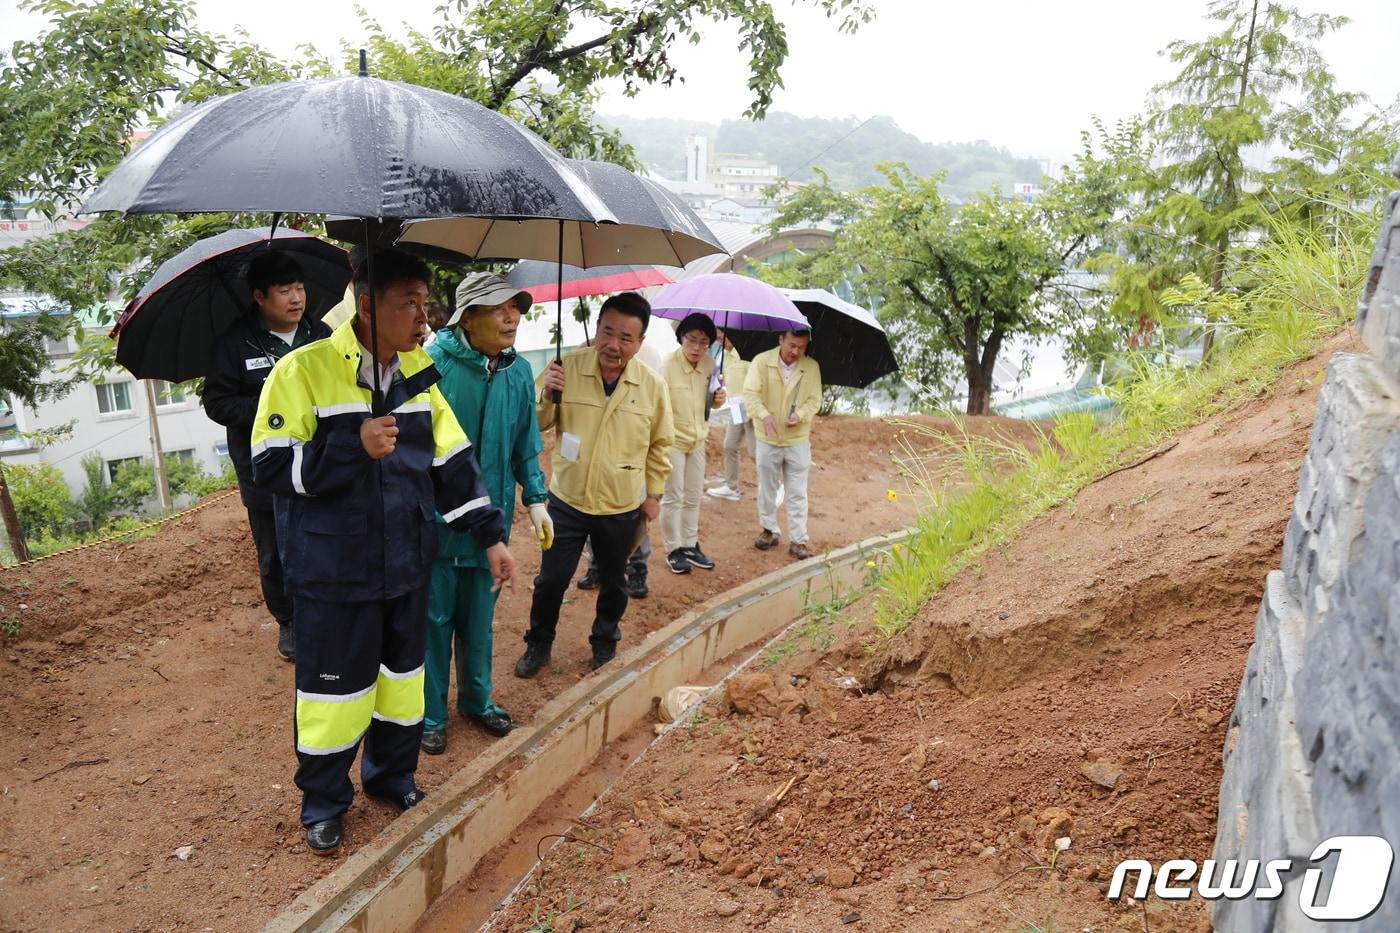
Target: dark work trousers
(359, 673)
(264, 526)
(612, 541)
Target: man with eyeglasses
(687, 372)
(612, 440)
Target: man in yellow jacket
(612, 442)
(783, 393)
(687, 373)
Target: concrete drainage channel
(389, 885)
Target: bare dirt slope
(144, 710)
(1103, 647)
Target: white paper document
(569, 446)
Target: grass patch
(816, 632)
(981, 491)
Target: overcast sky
(1024, 74)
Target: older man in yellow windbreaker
(783, 393)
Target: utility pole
(11, 518)
(162, 483)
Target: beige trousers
(736, 436)
(680, 504)
(787, 467)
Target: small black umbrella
(847, 341)
(168, 329)
(356, 146)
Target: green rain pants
(460, 609)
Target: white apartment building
(109, 416)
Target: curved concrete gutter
(388, 885)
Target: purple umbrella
(732, 301)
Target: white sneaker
(724, 492)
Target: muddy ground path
(145, 712)
(1073, 685)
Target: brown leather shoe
(799, 551)
(766, 540)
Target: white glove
(544, 525)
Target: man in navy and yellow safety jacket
(356, 522)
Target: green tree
(96, 502)
(71, 99)
(955, 284)
(133, 485)
(40, 496)
(184, 475)
(1223, 104)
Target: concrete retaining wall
(1313, 749)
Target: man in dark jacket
(238, 365)
(358, 493)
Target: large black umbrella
(357, 146)
(168, 329)
(847, 341)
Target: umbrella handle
(376, 393)
(556, 395)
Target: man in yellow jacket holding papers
(783, 393)
(611, 418)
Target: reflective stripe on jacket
(625, 438)
(497, 410)
(765, 394)
(352, 528)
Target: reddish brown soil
(1112, 631)
(145, 709)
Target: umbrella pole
(377, 394)
(559, 310)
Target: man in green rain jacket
(491, 390)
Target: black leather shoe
(323, 838)
(286, 643)
(602, 657)
(636, 585)
(494, 722)
(532, 661)
(405, 801)
(435, 742)
(697, 558)
(589, 580)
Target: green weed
(980, 491)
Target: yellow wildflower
(890, 495)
